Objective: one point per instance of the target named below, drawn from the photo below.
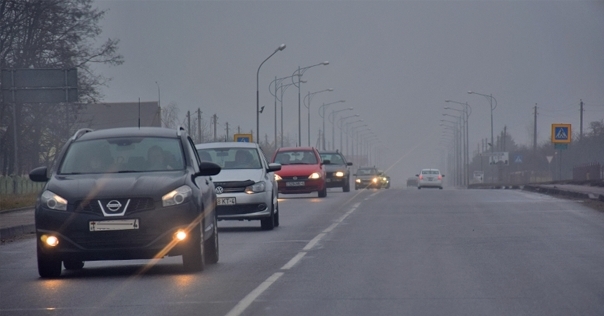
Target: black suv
(337, 170)
(126, 193)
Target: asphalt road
(368, 252)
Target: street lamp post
(347, 132)
(491, 99)
(341, 127)
(467, 110)
(309, 96)
(332, 118)
(459, 149)
(278, 82)
(280, 48)
(352, 139)
(456, 148)
(299, 72)
(322, 114)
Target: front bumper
(153, 238)
(309, 186)
(248, 206)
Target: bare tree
(56, 34)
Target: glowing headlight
(177, 196)
(277, 177)
(53, 201)
(256, 187)
(375, 180)
(315, 175)
(357, 180)
(339, 174)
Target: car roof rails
(81, 132)
(180, 130)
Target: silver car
(245, 188)
(430, 178)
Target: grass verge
(9, 202)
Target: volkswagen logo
(114, 205)
(295, 178)
(219, 190)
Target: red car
(301, 171)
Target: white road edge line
(293, 261)
(250, 298)
(313, 242)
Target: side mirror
(39, 174)
(417, 175)
(207, 168)
(442, 175)
(349, 163)
(273, 167)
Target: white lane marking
(250, 298)
(313, 242)
(247, 301)
(293, 261)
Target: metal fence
(19, 185)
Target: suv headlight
(53, 201)
(315, 175)
(357, 180)
(256, 187)
(177, 196)
(277, 177)
(339, 174)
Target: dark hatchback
(337, 170)
(126, 193)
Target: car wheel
(211, 248)
(419, 188)
(193, 257)
(73, 264)
(346, 187)
(323, 193)
(440, 188)
(277, 213)
(48, 267)
(269, 222)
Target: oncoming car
(368, 177)
(430, 178)
(126, 193)
(337, 171)
(245, 188)
(301, 171)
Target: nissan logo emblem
(114, 205)
(219, 190)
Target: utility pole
(581, 120)
(199, 125)
(226, 139)
(189, 122)
(535, 129)
(215, 120)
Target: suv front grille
(135, 205)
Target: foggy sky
(394, 62)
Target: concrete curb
(12, 232)
(567, 193)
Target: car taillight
(421, 177)
(440, 177)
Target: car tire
(277, 213)
(323, 193)
(193, 257)
(440, 188)
(269, 222)
(48, 267)
(419, 188)
(211, 247)
(73, 264)
(346, 187)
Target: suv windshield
(123, 154)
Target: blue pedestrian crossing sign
(243, 138)
(518, 159)
(561, 133)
